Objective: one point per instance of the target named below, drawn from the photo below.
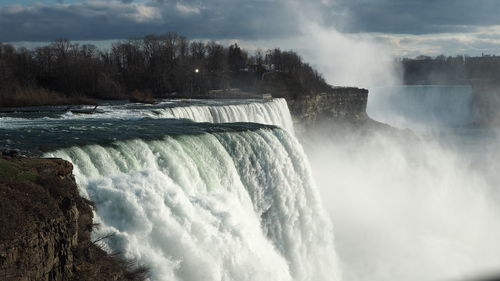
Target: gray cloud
(420, 16)
(483, 40)
(100, 19)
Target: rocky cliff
(45, 226)
(339, 104)
(312, 105)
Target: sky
(406, 27)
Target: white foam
(222, 206)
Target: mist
(344, 59)
(408, 208)
(420, 204)
(414, 204)
(353, 59)
(349, 60)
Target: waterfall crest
(273, 112)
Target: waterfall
(210, 206)
(273, 112)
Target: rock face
(314, 104)
(45, 226)
(340, 104)
(339, 112)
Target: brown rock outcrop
(339, 104)
(46, 225)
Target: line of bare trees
(483, 70)
(161, 65)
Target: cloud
(186, 9)
(481, 40)
(113, 19)
(420, 16)
(83, 20)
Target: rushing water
(194, 201)
(213, 206)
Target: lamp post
(196, 82)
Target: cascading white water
(213, 206)
(274, 112)
(222, 202)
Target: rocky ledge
(46, 225)
(339, 104)
(318, 105)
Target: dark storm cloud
(99, 19)
(239, 19)
(420, 16)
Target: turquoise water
(34, 137)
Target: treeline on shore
(163, 66)
(458, 70)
